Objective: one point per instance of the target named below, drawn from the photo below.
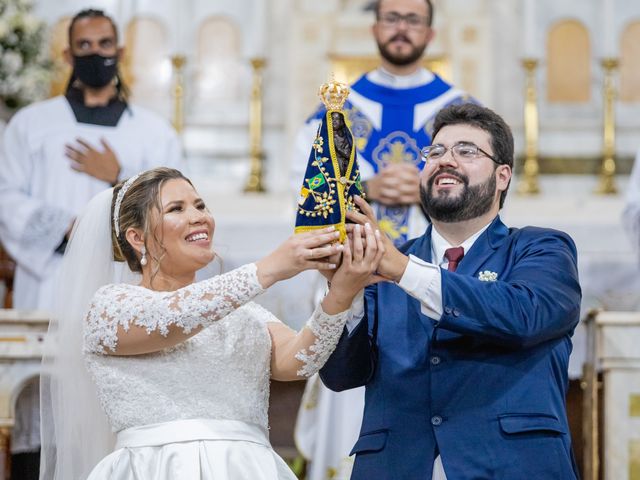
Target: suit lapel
(422, 247)
(483, 248)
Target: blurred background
(237, 78)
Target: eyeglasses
(393, 19)
(463, 151)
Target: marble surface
(21, 347)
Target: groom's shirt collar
(439, 245)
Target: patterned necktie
(453, 255)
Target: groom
(464, 352)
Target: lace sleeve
(327, 330)
(196, 305)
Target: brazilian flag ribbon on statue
(327, 194)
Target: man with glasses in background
(463, 343)
(390, 111)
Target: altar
(21, 347)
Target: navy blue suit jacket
(485, 384)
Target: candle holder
(254, 182)
(606, 185)
(529, 183)
(178, 62)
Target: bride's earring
(143, 259)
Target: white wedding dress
(197, 410)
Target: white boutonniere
(487, 276)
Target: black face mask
(95, 70)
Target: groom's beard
(474, 201)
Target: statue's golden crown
(333, 94)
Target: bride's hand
(302, 251)
(360, 260)
(334, 259)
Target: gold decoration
(5, 442)
(60, 69)
(397, 154)
(347, 68)
(529, 183)
(254, 182)
(634, 405)
(634, 460)
(333, 94)
(608, 168)
(178, 62)
(325, 201)
(328, 187)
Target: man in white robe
(59, 153)
(390, 112)
(56, 158)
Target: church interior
(237, 78)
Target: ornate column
(254, 182)
(529, 183)
(608, 167)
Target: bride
(181, 369)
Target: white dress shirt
(421, 280)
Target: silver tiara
(119, 198)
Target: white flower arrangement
(487, 276)
(24, 64)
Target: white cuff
(357, 312)
(423, 281)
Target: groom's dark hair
(484, 118)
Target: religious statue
(332, 177)
(342, 141)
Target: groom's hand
(393, 263)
